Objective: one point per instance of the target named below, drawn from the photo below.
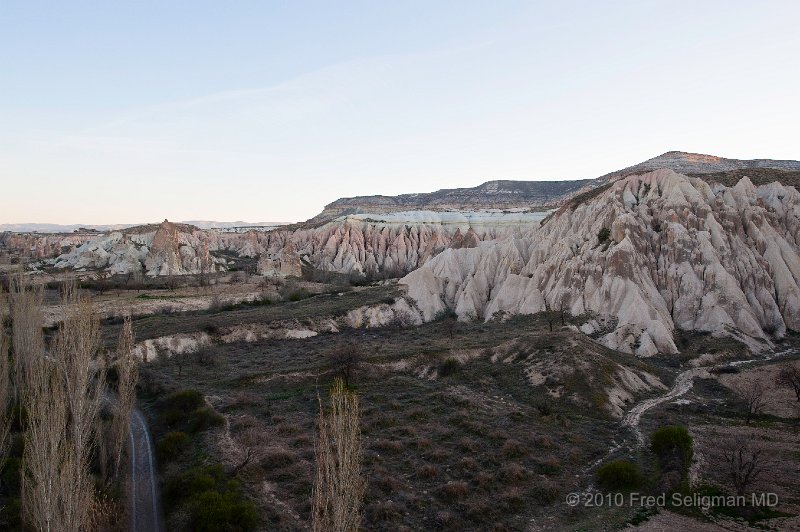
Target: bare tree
(754, 400)
(789, 375)
(75, 351)
(745, 462)
(339, 485)
(346, 358)
(127, 378)
(45, 451)
(5, 387)
(61, 394)
(26, 331)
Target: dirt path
(683, 383)
(144, 497)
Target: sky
(128, 112)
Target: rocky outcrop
(371, 246)
(376, 236)
(698, 163)
(164, 249)
(652, 253)
(539, 195)
(500, 195)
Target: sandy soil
(779, 400)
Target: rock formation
(650, 253)
(373, 246)
(500, 195)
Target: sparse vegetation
(673, 446)
(339, 485)
(789, 376)
(619, 475)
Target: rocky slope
(500, 195)
(697, 163)
(373, 237)
(541, 195)
(648, 254)
(372, 246)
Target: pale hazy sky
(122, 112)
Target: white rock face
(165, 249)
(367, 245)
(652, 252)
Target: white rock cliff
(653, 253)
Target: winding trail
(683, 383)
(144, 498)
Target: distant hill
(71, 228)
(502, 194)
(549, 194)
(697, 163)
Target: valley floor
(465, 425)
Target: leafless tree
(26, 332)
(745, 462)
(45, 452)
(346, 358)
(5, 386)
(401, 319)
(61, 394)
(339, 485)
(789, 375)
(754, 400)
(75, 350)
(127, 378)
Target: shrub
(445, 314)
(213, 501)
(454, 490)
(276, 458)
(388, 446)
(514, 472)
(384, 511)
(672, 443)
(448, 367)
(428, 471)
(511, 500)
(619, 475)
(544, 407)
(177, 404)
(545, 491)
(223, 511)
(514, 449)
(172, 446)
(485, 478)
(549, 465)
(603, 235)
(204, 418)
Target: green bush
(603, 235)
(445, 314)
(172, 446)
(672, 443)
(299, 295)
(215, 511)
(185, 400)
(186, 410)
(212, 500)
(619, 475)
(449, 367)
(177, 404)
(204, 418)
